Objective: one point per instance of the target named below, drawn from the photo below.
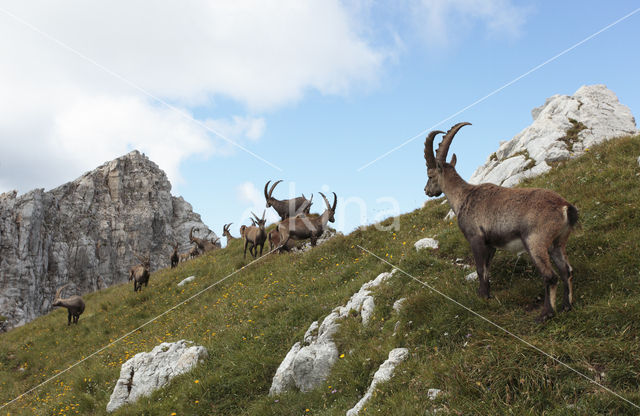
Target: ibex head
(331, 210)
(144, 261)
(259, 222)
(438, 162)
(58, 300)
(268, 195)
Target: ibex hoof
(566, 308)
(544, 316)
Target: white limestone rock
(146, 372)
(426, 243)
(450, 215)
(187, 280)
(384, 373)
(530, 151)
(433, 393)
(307, 366)
(397, 305)
(471, 277)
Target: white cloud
(64, 114)
(444, 21)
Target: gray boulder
(147, 372)
(308, 364)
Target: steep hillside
(249, 320)
(85, 232)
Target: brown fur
(538, 221)
(74, 304)
(287, 207)
(303, 227)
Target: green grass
(249, 321)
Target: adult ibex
(204, 245)
(227, 233)
(493, 217)
(140, 273)
(74, 305)
(255, 235)
(287, 207)
(302, 227)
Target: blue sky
(319, 89)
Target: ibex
(74, 305)
(204, 245)
(175, 258)
(227, 233)
(492, 217)
(255, 235)
(140, 273)
(300, 228)
(287, 207)
(275, 238)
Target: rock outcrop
(384, 373)
(563, 127)
(86, 232)
(426, 242)
(146, 372)
(308, 363)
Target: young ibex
(140, 273)
(204, 245)
(255, 235)
(491, 217)
(287, 207)
(227, 233)
(175, 257)
(74, 305)
(300, 228)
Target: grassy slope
(249, 321)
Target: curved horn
(335, 202)
(443, 149)
(428, 149)
(256, 217)
(263, 212)
(325, 200)
(59, 291)
(266, 195)
(273, 187)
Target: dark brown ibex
(140, 273)
(302, 227)
(175, 257)
(287, 207)
(74, 305)
(204, 245)
(227, 233)
(255, 236)
(492, 217)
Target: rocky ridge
(563, 127)
(86, 232)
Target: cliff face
(86, 232)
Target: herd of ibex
(538, 221)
